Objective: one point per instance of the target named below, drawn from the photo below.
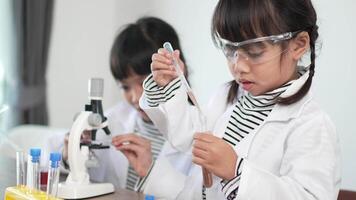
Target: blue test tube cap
(149, 197)
(35, 154)
(55, 158)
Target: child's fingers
(128, 138)
(121, 139)
(161, 66)
(164, 73)
(131, 148)
(176, 54)
(205, 137)
(202, 145)
(198, 161)
(197, 152)
(164, 52)
(161, 58)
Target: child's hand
(65, 148)
(216, 155)
(162, 66)
(137, 150)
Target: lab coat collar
(287, 112)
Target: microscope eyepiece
(96, 91)
(96, 88)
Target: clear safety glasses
(254, 51)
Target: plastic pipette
(207, 177)
(169, 48)
(185, 83)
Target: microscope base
(71, 191)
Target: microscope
(77, 184)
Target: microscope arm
(76, 159)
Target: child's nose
(134, 97)
(241, 66)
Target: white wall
(82, 34)
(335, 82)
(84, 31)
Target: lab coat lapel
(280, 113)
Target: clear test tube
(20, 169)
(53, 174)
(33, 174)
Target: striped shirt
(156, 94)
(248, 114)
(151, 133)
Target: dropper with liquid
(207, 176)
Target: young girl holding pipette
(267, 138)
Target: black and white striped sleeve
(230, 187)
(156, 94)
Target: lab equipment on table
(25, 193)
(207, 176)
(30, 190)
(53, 174)
(77, 184)
(20, 168)
(33, 172)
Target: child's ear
(300, 45)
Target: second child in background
(132, 130)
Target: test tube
(20, 169)
(53, 174)
(33, 174)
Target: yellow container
(24, 193)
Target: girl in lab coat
(131, 128)
(267, 137)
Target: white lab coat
(113, 165)
(293, 155)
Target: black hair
(238, 20)
(134, 45)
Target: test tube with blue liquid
(53, 174)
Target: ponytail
(313, 34)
